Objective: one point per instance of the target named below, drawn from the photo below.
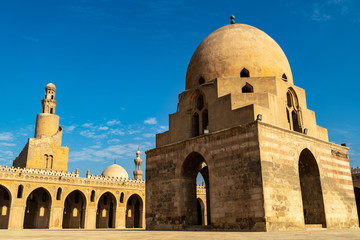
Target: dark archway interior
(5, 202)
(193, 165)
(357, 198)
(311, 192)
(74, 210)
(134, 212)
(37, 211)
(106, 211)
(200, 212)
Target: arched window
(51, 110)
(248, 88)
(52, 96)
(205, 120)
(92, 197)
(201, 80)
(122, 197)
(200, 102)
(20, 191)
(244, 73)
(58, 194)
(195, 125)
(284, 77)
(293, 112)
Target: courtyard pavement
(176, 235)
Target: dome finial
(232, 17)
(114, 160)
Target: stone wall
(233, 160)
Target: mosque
(241, 124)
(245, 127)
(39, 192)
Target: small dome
(232, 48)
(115, 171)
(51, 86)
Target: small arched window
(247, 88)
(195, 125)
(58, 194)
(201, 80)
(92, 196)
(51, 110)
(122, 197)
(284, 77)
(200, 102)
(205, 120)
(52, 96)
(293, 112)
(20, 191)
(244, 73)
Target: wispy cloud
(324, 11)
(6, 136)
(151, 121)
(31, 39)
(103, 128)
(69, 129)
(113, 122)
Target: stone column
(17, 214)
(120, 217)
(90, 217)
(56, 218)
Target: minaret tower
(44, 151)
(47, 123)
(138, 172)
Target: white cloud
(103, 128)
(113, 141)
(69, 129)
(5, 144)
(113, 122)
(148, 135)
(91, 134)
(6, 136)
(116, 132)
(88, 125)
(151, 121)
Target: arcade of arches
(56, 205)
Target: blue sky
(120, 65)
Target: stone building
(245, 127)
(39, 192)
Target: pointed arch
(247, 88)
(284, 77)
(37, 210)
(293, 112)
(201, 80)
(311, 190)
(74, 210)
(244, 73)
(5, 204)
(192, 165)
(134, 212)
(106, 211)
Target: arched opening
(248, 88)
(311, 192)
(244, 73)
(201, 80)
(193, 164)
(200, 212)
(5, 202)
(92, 196)
(293, 112)
(74, 210)
(195, 125)
(134, 212)
(51, 110)
(37, 211)
(284, 77)
(20, 191)
(58, 194)
(357, 199)
(122, 197)
(106, 211)
(205, 120)
(200, 102)
(52, 96)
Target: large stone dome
(226, 51)
(116, 171)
